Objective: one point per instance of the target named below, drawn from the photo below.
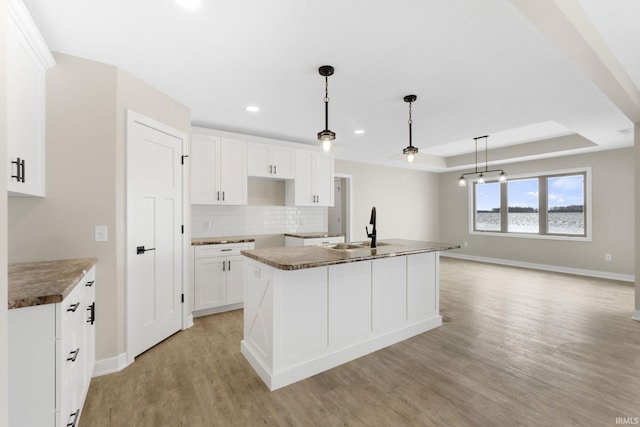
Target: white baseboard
(546, 267)
(636, 315)
(111, 365)
(189, 321)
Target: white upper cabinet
(218, 170)
(270, 161)
(313, 184)
(28, 59)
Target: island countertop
(298, 258)
(318, 235)
(44, 282)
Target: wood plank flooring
(517, 347)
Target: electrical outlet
(466, 244)
(607, 257)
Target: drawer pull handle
(89, 284)
(73, 355)
(226, 250)
(73, 307)
(92, 313)
(19, 176)
(75, 418)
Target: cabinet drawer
(323, 240)
(225, 249)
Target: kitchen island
(309, 309)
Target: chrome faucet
(373, 233)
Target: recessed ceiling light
(358, 131)
(189, 4)
(253, 109)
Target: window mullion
(543, 226)
(504, 208)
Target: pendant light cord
(410, 125)
(326, 102)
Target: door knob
(141, 250)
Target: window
(546, 205)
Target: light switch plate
(100, 233)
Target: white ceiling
(477, 68)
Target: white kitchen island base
(298, 323)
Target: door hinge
(182, 229)
(182, 298)
(182, 159)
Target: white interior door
(154, 237)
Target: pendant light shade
(326, 136)
(502, 178)
(410, 151)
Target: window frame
(542, 206)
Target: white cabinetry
(299, 241)
(218, 170)
(218, 277)
(28, 59)
(313, 185)
(270, 161)
(51, 358)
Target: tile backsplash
(215, 221)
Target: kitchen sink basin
(368, 244)
(342, 246)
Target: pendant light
(326, 136)
(410, 151)
(502, 178)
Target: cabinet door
(258, 160)
(323, 176)
(235, 279)
(304, 192)
(282, 159)
(233, 172)
(25, 115)
(210, 282)
(204, 182)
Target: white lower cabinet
(218, 277)
(51, 358)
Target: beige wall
(86, 123)
(612, 212)
(406, 201)
(4, 396)
(636, 139)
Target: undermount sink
(368, 244)
(342, 246)
(351, 246)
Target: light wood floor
(517, 347)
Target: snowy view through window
(564, 198)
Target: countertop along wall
(86, 135)
(612, 216)
(406, 201)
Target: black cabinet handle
(89, 284)
(75, 418)
(73, 355)
(223, 196)
(140, 250)
(19, 176)
(218, 196)
(92, 313)
(226, 250)
(224, 266)
(275, 169)
(73, 307)
(229, 265)
(271, 169)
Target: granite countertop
(196, 241)
(316, 235)
(301, 257)
(45, 282)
